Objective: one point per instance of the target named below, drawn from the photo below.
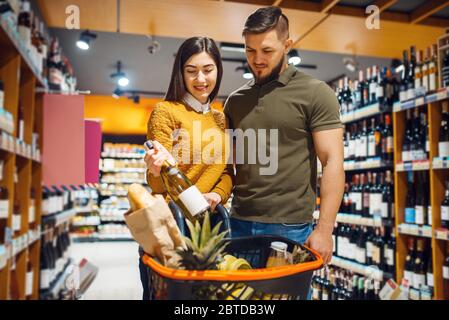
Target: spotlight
(350, 64)
(154, 46)
(293, 57)
(85, 39)
(117, 93)
(120, 76)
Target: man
(305, 112)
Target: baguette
(139, 197)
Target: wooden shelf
(362, 113)
(442, 94)
(366, 271)
(356, 219)
(413, 166)
(370, 164)
(442, 234)
(415, 230)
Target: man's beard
(272, 76)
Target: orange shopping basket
(291, 282)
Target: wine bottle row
(417, 205)
(419, 73)
(14, 292)
(55, 254)
(371, 138)
(55, 200)
(369, 195)
(366, 245)
(332, 283)
(415, 145)
(375, 86)
(418, 270)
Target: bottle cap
(277, 245)
(149, 145)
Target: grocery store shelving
(59, 218)
(437, 174)
(365, 112)
(52, 293)
(123, 181)
(442, 94)
(122, 155)
(375, 163)
(415, 230)
(421, 165)
(355, 219)
(367, 271)
(137, 170)
(442, 234)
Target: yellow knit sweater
(165, 123)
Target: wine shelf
(53, 292)
(366, 165)
(356, 219)
(111, 194)
(442, 234)
(123, 156)
(365, 112)
(58, 218)
(134, 170)
(415, 230)
(124, 181)
(413, 166)
(440, 163)
(7, 30)
(366, 271)
(422, 101)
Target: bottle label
(193, 200)
(410, 93)
(358, 201)
(45, 279)
(375, 203)
(25, 34)
(405, 156)
(430, 279)
(324, 296)
(333, 243)
(432, 80)
(445, 213)
(363, 147)
(410, 215)
(351, 148)
(361, 255)
(376, 254)
(389, 144)
(389, 256)
(29, 284)
(419, 214)
(371, 145)
(17, 221)
(429, 215)
(339, 246)
(4, 209)
(409, 276)
(403, 95)
(384, 210)
(379, 92)
(418, 280)
(346, 152)
(369, 249)
(372, 89)
(443, 149)
(446, 272)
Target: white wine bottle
(185, 194)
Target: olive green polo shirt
(296, 105)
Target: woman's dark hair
(177, 89)
(265, 19)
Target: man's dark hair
(265, 19)
(177, 89)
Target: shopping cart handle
(225, 218)
(179, 217)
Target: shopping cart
(291, 282)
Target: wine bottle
(446, 266)
(411, 74)
(387, 140)
(29, 280)
(421, 201)
(403, 96)
(373, 85)
(409, 259)
(406, 145)
(443, 143)
(418, 69)
(410, 214)
(433, 69)
(366, 184)
(380, 88)
(361, 91)
(367, 94)
(419, 272)
(182, 191)
(352, 143)
(348, 96)
(364, 142)
(425, 70)
(372, 139)
(429, 273)
(389, 253)
(416, 141)
(445, 208)
(24, 23)
(361, 246)
(387, 206)
(445, 69)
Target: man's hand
(213, 199)
(322, 242)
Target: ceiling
(152, 72)
(318, 25)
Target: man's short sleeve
(325, 113)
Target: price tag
(419, 101)
(408, 166)
(441, 95)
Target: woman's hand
(155, 158)
(213, 199)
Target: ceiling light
(86, 38)
(294, 58)
(120, 76)
(350, 64)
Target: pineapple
(204, 247)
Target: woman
(178, 125)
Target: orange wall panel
(123, 116)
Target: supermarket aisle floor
(118, 276)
